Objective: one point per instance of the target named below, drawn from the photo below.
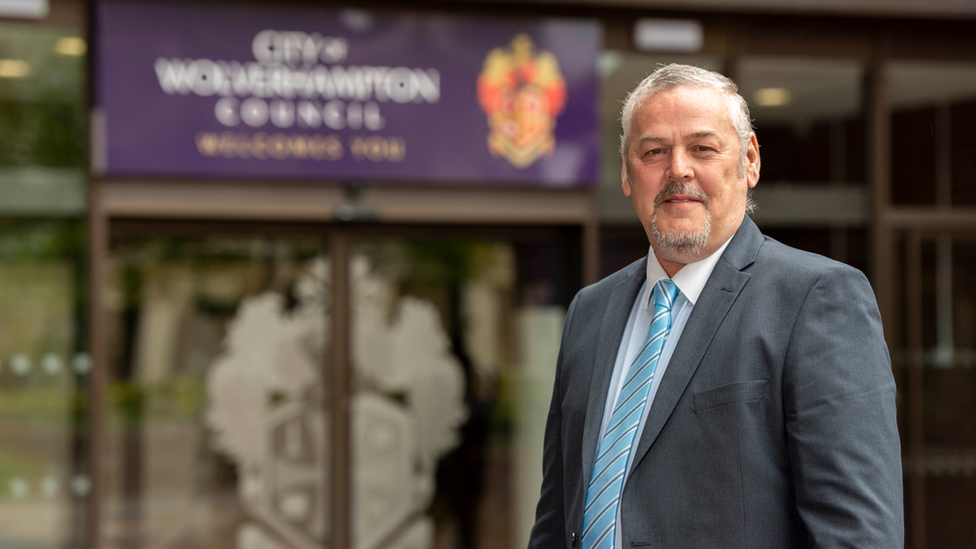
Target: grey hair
(671, 76)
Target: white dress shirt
(690, 280)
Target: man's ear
(753, 162)
(624, 176)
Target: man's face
(684, 157)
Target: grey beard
(689, 243)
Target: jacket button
(572, 538)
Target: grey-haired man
(726, 390)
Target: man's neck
(670, 267)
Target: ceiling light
(13, 68)
(70, 45)
(772, 97)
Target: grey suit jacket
(774, 426)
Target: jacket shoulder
(792, 265)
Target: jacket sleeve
(549, 530)
(841, 422)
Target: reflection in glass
(808, 117)
(454, 352)
(42, 108)
(42, 374)
(933, 132)
(216, 437)
(43, 364)
(939, 393)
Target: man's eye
(655, 151)
(703, 148)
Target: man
(727, 390)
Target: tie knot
(665, 292)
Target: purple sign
(346, 95)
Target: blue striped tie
(603, 494)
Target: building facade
(247, 304)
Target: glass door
(219, 432)
(454, 343)
(216, 431)
(937, 386)
(932, 168)
(44, 360)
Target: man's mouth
(681, 200)
(678, 193)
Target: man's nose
(681, 167)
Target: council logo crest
(522, 91)
(268, 413)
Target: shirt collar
(690, 279)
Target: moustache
(678, 187)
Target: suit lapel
(607, 344)
(718, 295)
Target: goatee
(682, 243)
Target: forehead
(685, 110)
